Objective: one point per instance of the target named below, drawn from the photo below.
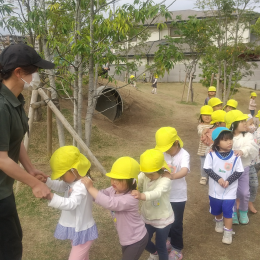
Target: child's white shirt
(76, 205)
(248, 146)
(179, 186)
(224, 168)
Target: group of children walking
(162, 188)
(229, 152)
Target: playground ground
(144, 113)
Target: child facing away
(156, 208)
(224, 169)
(231, 105)
(211, 93)
(253, 178)
(215, 103)
(154, 84)
(124, 207)
(252, 103)
(204, 123)
(178, 159)
(133, 81)
(245, 147)
(76, 222)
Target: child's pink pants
(80, 252)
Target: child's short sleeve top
(224, 167)
(179, 186)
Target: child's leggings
(80, 252)
(243, 192)
(202, 172)
(134, 251)
(253, 183)
(160, 241)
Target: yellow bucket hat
(231, 103)
(132, 76)
(66, 158)
(233, 116)
(152, 161)
(212, 88)
(165, 137)
(214, 102)
(258, 114)
(253, 94)
(124, 168)
(217, 116)
(206, 110)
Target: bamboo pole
(74, 134)
(49, 127)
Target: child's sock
(218, 220)
(227, 229)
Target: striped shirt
(202, 147)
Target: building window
(173, 32)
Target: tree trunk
(91, 90)
(225, 83)
(218, 94)
(80, 99)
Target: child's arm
(180, 174)
(58, 186)
(75, 199)
(163, 186)
(250, 148)
(232, 178)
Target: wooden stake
(74, 134)
(212, 79)
(49, 127)
(184, 87)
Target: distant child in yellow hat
(231, 105)
(178, 159)
(133, 81)
(156, 209)
(215, 103)
(211, 93)
(68, 164)
(124, 207)
(154, 84)
(204, 124)
(252, 103)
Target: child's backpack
(206, 136)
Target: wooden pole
(184, 87)
(212, 79)
(189, 90)
(74, 134)
(49, 127)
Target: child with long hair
(252, 103)
(245, 147)
(156, 209)
(178, 159)
(204, 123)
(224, 169)
(76, 222)
(124, 207)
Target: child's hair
(200, 119)
(89, 175)
(234, 126)
(131, 185)
(225, 135)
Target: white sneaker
(153, 257)
(227, 237)
(219, 226)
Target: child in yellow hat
(215, 103)
(178, 159)
(154, 84)
(211, 93)
(124, 207)
(252, 103)
(204, 124)
(68, 164)
(245, 147)
(231, 105)
(133, 81)
(156, 209)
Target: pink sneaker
(174, 255)
(168, 246)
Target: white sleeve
(78, 193)
(239, 166)
(163, 186)
(250, 148)
(185, 160)
(58, 186)
(208, 164)
(141, 177)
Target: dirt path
(145, 113)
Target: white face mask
(34, 84)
